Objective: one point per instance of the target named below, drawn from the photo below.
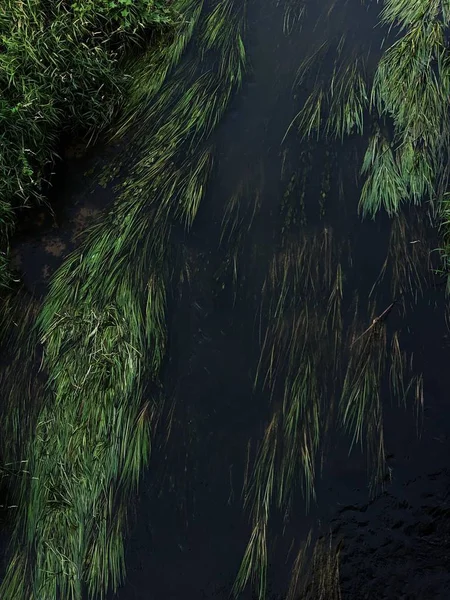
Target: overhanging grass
(103, 331)
(302, 298)
(60, 71)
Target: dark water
(189, 530)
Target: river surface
(188, 530)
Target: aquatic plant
(348, 100)
(103, 331)
(149, 72)
(20, 388)
(384, 186)
(317, 376)
(315, 573)
(297, 349)
(239, 214)
(294, 12)
(410, 90)
(405, 99)
(405, 162)
(407, 259)
(337, 104)
(360, 402)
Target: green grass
(317, 376)
(408, 258)
(360, 403)
(384, 186)
(301, 299)
(348, 101)
(20, 387)
(103, 331)
(103, 325)
(337, 105)
(405, 101)
(405, 104)
(410, 90)
(149, 73)
(100, 335)
(60, 72)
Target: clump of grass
(92, 434)
(348, 101)
(410, 91)
(309, 120)
(306, 364)
(149, 73)
(384, 186)
(408, 100)
(361, 407)
(103, 331)
(407, 259)
(335, 107)
(360, 404)
(239, 213)
(294, 13)
(60, 71)
(20, 389)
(444, 251)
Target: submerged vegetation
(406, 107)
(158, 77)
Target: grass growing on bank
(60, 71)
(103, 332)
(406, 106)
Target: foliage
(302, 337)
(60, 70)
(103, 331)
(410, 91)
(124, 14)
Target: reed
(408, 258)
(337, 104)
(360, 403)
(384, 186)
(103, 332)
(410, 91)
